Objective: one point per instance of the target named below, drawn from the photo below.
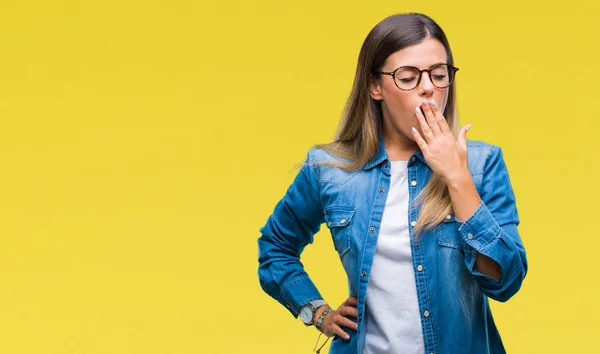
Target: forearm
(465, 201)
(464, 196)
(283, 277)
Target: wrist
(459, 180)
(320, 320)
(319, 312)
(307, 312)
(464, 196)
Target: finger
(427, 132)
(326, 327)
(328, 331)
(348, 311)
(441, 120)
(351, 301)
(462, 136)
(338, 331)
(351, 311)
(420, 141)
(346, 322)
(431, 120)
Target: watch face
(306, 314)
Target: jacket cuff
(298, 292)
(480, 229)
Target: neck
(398, 147)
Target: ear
(375, 89)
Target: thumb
(462, 136)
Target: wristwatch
(307, 312)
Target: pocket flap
(338, 218)
(448, 234)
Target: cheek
(442, 100)
(401, 104)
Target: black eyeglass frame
(393, 75)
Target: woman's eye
(439, 77)
(406, 79)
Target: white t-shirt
(393, 321)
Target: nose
(426, 87)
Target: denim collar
(382, 156)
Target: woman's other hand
(335, 320)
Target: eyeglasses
(407, 78)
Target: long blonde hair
(358, 136)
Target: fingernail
(414, 130)
(468, 127)
(418, 110)
(347, 336)
(425, 103)
(432, 103)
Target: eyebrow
(413, 66)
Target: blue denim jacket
(452, 295)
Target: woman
(424, 221)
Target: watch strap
(316, 304)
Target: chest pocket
(339, 222)
(448, 235)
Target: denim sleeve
(292, 225)
(492, 231)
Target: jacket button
(470, 236)
(363, 273)
(371, 229)
(426, 313)
(381, 190)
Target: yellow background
(144, 143)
